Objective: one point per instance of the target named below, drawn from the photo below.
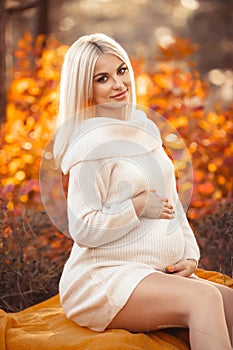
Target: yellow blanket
(45, 327)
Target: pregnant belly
(157, 243)
(162, 247)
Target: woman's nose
(118, 83)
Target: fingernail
(170, 268)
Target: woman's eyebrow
(121, 65)
(105, 73)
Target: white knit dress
(109, 163)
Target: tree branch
(16, 9)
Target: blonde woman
(134, 254)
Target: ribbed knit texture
(114, 249)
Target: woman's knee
(207, 297)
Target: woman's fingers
(183, 267)
(166, 216)
(167, 212)
(157, 207)
(168, 209)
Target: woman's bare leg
(169, 300)
(227, 295)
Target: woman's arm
(92, 223)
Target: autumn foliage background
(170, 85)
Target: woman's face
(111, 80)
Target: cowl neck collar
(101, 137)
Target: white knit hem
(121, 294)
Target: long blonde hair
(76, 84)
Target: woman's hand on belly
(183, 268)
(153, 206)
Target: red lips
(120, 95)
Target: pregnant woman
(134, 254)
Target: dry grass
(32, 257)
(215, 238)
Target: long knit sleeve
(92, 220)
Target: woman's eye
(102, 79)
(122, 70)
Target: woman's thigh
(161, 300)
(226, 292)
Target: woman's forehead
(106, 63)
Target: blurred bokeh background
(139, 25)
(182, 54)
